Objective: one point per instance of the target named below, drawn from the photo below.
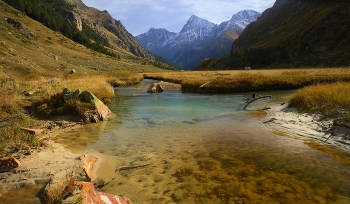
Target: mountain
(155, 39)
(30, 50)
(198, 39)
(196, 29)
(292, 33)
(85, 25)
(106, 25)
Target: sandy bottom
(307, 126)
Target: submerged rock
(88, 164)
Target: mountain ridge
(198, 39)
(113, 29)
(292, 34)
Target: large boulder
(154, 88)
(101, 110)
(69, 95)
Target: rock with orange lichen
(8, 163)
(90, 196)
(88, 164)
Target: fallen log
(254, 99)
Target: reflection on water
(202, 148)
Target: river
(203, 148)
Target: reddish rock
(36, 132)
(88, 164)
(91, 196)
(6, 164)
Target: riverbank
(309, 127)
(54, 161)
(39, 167)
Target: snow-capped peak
(196, 23)
(245, 17)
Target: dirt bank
(287, 120)
(41, 165)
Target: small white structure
(247, 68)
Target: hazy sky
(138, 16)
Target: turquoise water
(203, 148)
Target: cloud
(139, 16)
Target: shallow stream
(203, 148)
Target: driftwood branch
(205, 84)
(254, 99)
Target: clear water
(203, 148)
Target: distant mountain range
(197, 40)
(292, 33)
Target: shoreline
(42, 165)
(55, 160)
(307, 127)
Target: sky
(138, 16)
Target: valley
(168, 147)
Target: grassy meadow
(28, 101)
(252, 80)
(324, 91)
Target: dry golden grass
(36, 65)
(327, 90)
(252, 80)
(46, 99)
(331, 100)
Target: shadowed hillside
(292, 33)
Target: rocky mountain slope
(292, 33)
(85, 25)
(113, 30)
(31, 51)
(197, 40)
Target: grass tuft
(330, 100)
